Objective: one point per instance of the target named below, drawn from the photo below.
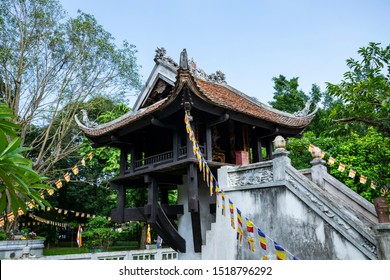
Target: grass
(65, 248)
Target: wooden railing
(162, 158)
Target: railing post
(318, 168)
(280, 159)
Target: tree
(19, 183)
(287, 96)
(365, 89)
(50, 64)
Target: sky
(250, 41)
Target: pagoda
(156, 153)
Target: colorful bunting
(263, 241)
(2, 222)
(79, 237)
(352, 173)
(50, 192)
(280, 253)
(67, 177)
(250, 237)
(148, 237)
(83, 162)
(11, 217)
(311, 147)
(223, 204)
(363, 179)
(341, 167)
(20, 212)
(231, 207)
(90, 155)
(373, 185)
(75, 170)
(59, 184)
(239, 225)
(331, 161)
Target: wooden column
(209, 144)
(123, 161)
(193, 206)
(151, 207)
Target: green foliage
(18, 181)
(99, 234)
(3, 236)
(365, 89)
(368, 155)
(287, 96)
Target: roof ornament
(86, 121)
(305, 111)
(184, 60)
(217, 77)
(161, 54)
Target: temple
(231, 129)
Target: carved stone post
(382, 235)
(280, 159)
(318, 168)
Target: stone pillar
(318, 168)
(280, 159)
(382, 235)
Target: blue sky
(250, 41)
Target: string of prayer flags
(90, 155)
(250, 237)
(83, 162)
(2, 222)
(231, 207)
(311, 147)
(352, 173)
(262, 239)
(280, 253)
(75, 170)
(50, 192)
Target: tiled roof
(229, 98)
(218, 94)
(120, 122)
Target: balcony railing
(161, 158)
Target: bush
(99, 234)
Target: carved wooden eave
(216, 94)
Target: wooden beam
(168, 232)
